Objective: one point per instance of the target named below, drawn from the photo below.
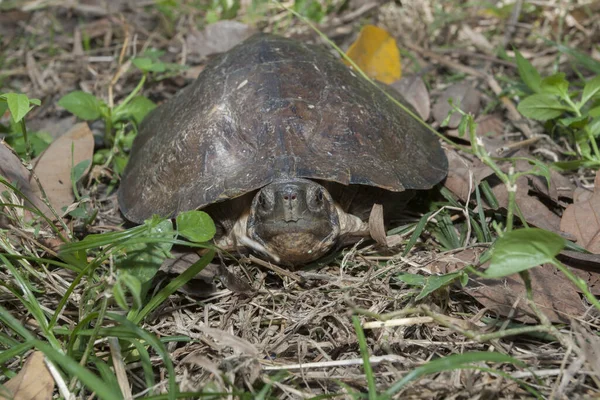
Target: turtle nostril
(286, 197)
(293, 197)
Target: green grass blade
(7, 355)
(449, 363)
(151, 339)
(364, 351)
(182, 279)
(89, 379)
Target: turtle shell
(268, 109)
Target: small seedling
(574, 112)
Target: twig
(393, 358)
(119, 365)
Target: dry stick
(513, 113)
(511, 25)
(119, 365)
(337, 363)
(276, 269)
(120, 70)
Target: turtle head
(295, 220)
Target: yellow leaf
(376, 53)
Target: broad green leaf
(143, 260)
(556, 84)
(3, 107)
(80, 169)
(18, 104)
(146, 64)
(591, 88)
(136, 110)
(528, 73)
(39, 142)
(435, 282)
(541, 107)
(594, 112)
(134, 286)
(594, 127)
(574, 122)
(81, 104)
(523, 249)
(411, 279)
(196, 226)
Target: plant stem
(591, 137)
(511, 188)
(579, 283)
(134, 92)
(27, 143)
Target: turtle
(285, 147)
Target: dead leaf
(53, 166)
(217, 38)
(534, 211)
(582, 220)
(13, 170)
(376, 225)
(464, 96)
(460, 168)
(33, 382)
(465, 172)
(581, 194)
(376, 53)
(560, 186)
(413, 89)
(489, 128)
(554, 294)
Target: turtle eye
(319, 197)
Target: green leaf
(591, 88)
(522, 249)
(574, 122)
(39, 142)
(134, 285)
(143, 260)
(196, 226)
(594, 112)
(556, 84)
(575, 164)
(18, 104)
(541, 107)
(3, 107)
(135, 110)
(528, 73)
(146, 64)
(594, 127)
(411, 279)
(80, 169)
(435, 282)
(83, 105)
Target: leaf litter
(285, 321)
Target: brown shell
(273, 108)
